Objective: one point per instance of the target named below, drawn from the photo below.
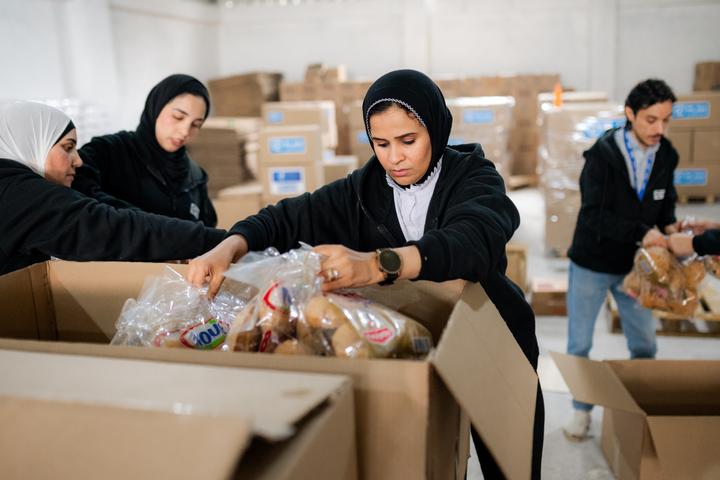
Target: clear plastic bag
(660, 281)
(170, 312)
(291, 315)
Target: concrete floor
(563, 459)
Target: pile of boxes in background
(695, 134)
(707, 76)
(566, 132)
(243, 95)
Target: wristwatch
(389, 263)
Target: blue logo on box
(478, 116)
(362, 138)
(283, 145)
(287, 181)
(285, 176)
(691, 110)
(275, 116)
(691, 177)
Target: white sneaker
(578, 427)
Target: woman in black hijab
(417, 209)
(149, 169)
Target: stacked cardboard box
(410, 415)
(236, 203)
(359, 141)
(118, 418)
(695, 133)
(291, 161)
(566, 132)
(483, 120)
(243, 95)
(707, 76)
(226, 148)
(517, 264)
(340, 166)
(319, 112)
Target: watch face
(389, 260)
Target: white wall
(111, 52)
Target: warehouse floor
(563, 459)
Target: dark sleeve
(207, 211)
(322, 217)
(477, 224)
(595, 188)
(88, 179)
(60, 222)
(708, 243)
(667, 212)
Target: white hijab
(28, 131)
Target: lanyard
(648, 168)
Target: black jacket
(708, 243)
(469, 222)
(612, 220)
(117, 172)
(41, 219)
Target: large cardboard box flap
(117, 407)
(143, 445)
(484, 368)
(595, 382)
(687, 446)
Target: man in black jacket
(628, 199)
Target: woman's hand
(345, 268)
(681, 244)
(211, 266)
(653, 238)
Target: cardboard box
(573, 97)
(700, 109)
(141, 419)
(561, 210)
(661, 419)
(706, 146)
(707, 76)
(237, 203)
(321, 113)
(517, 264)
(481, 111)
(697, 180)
(339, 167)
(681, 139)
(408, 413)
(549, 296)
(243, 95)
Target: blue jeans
(587, 291)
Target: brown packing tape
(499, 398)
(686, 447)
(595, 382)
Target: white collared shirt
(411, 204)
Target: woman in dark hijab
(149, 169)
(417, 210)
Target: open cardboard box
(409, 414)
(73, 416)
(661, 419)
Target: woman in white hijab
(40, 217)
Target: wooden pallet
(704, 323)
(693, 199)
(516, 182)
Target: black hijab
(418, 93)
(173, 166)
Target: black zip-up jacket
(41, 219)
(708, 243)
(116, 172)
(612, 220)
(469, 222)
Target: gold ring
(332, 275)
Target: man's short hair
(648, 93)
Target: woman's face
(179, 121)
(402, 145)
(62, 160)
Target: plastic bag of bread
(170, 312)
(660, 281)
(712, 265)
(290, 315)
